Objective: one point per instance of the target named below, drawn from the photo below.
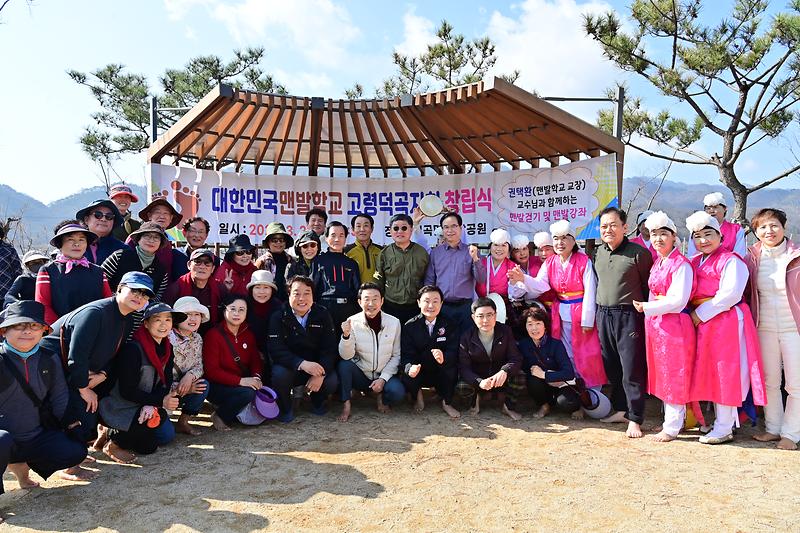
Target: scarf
(23, 355)
(148, 344)
(243, 270)
(187, 288)
(145, 258)
(70, 263)
(258, 309)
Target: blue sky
(314, 48)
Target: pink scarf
(61, 258)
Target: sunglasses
(205, 262)
(277, 239)
(141, 292)
(99, 215)
(399, 228)
(242, 252)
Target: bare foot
(450, 410)
(345, 416)
(419, 405)
(543, 411)
(662, 437)
(579, 414)
(102, 438)
(22, 472)
(616, 418)
(89, 460)
(76, 473)
(219, 424)
(513, 415)
(183, 426)
(476, 409)
(786, 444)
(766, 437)
(634, 431)
(382, 407)
(118, 454)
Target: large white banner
(522, 201)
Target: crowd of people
(117, 332)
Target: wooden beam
(460, 116)
(255, 108)
(359, 137)
(373, 134)
(183, 146)
(418, 128)
(498, 109)
(287, 126)
(583, 129)
(317, 108)
(329, 113)
(244, 105)
(467, 149)
(300, 133)
(345, 139)
(188, 122)
(398, 122)
(275, 118)
(387, 134)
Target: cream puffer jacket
(376, 356)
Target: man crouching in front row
(488, 359)
(370, 352)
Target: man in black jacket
(303, 347)
(429, 351)
(336, 277)
(488, 358)
(33, 399)
(87, 340)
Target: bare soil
(424, 472)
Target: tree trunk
(728, 177)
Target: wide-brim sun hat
(24, 312)
(237, 244)
(33, 255)
(86, 211)
(120, 189)
(144, 214)
(161, 307)
(66, 229)
(601, 405)
(262, 277)
(149, 227)
(277, 228)
(190, 304)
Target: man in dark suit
(429, 351)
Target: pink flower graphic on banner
(187, 201)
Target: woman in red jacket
(232, 363)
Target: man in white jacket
(370, 352)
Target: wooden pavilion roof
(490, 122)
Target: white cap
(500, 236)
(542, 239)
(520, 241)
(715, 198)
(699, 220)
(659, 220)
(561, 228)
(642, 217)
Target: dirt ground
(424, 472)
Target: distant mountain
(678, 199)
(38, 219)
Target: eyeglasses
(242, 252)
(99, 215)
(141, 292)
(33, 326)
(150, 237)
(487, 316)
(277, 239)
(236, 310)
(308, 245)
(205, 262)
(193, 231)
(399, 228)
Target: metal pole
(618, 114)
(153, 119)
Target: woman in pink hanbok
(728, 361)
(669, 332)
(570, 274)
(497, 266)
